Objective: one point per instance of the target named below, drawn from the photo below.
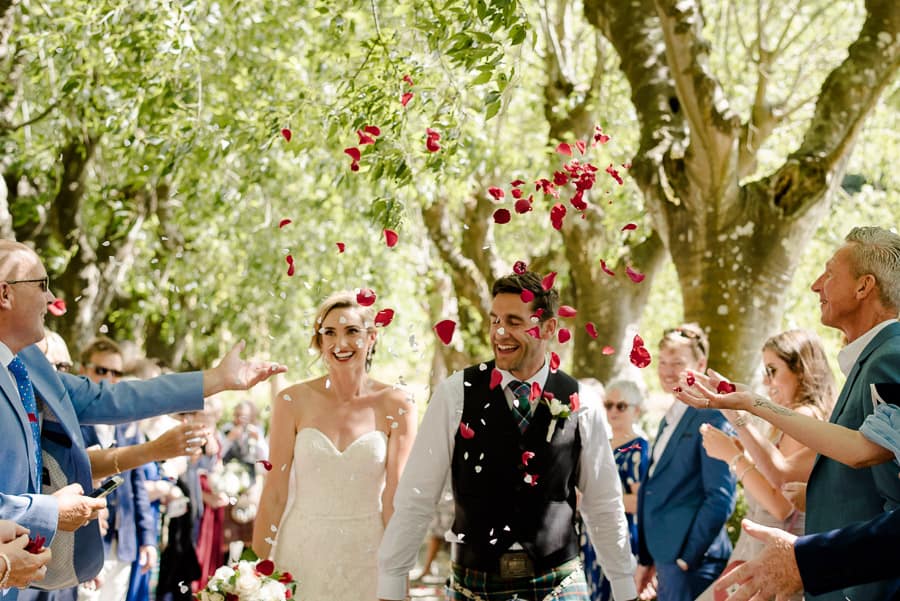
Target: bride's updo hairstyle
(345, 299)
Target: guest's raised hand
(718, 444)
(772, 574)
(713, 392)
(76, 509)
(183, 439)
(235, 373)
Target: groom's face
(515, 349)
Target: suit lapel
(671, 451)
(885, 334)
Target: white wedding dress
(329, 536)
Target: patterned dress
(632, 460)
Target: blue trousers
(677, 585)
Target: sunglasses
(620, 406)
(44, 282)
(102, 371)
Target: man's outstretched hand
(772, 574)
(234, 373)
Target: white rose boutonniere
(559, 410)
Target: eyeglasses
(690, 335)
(620, 406)
(102, 371)
(63, 367)
(44, 282)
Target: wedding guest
(859, 294)
(19, 567)
(797, 377)
(67, 400)
(516, 456)
(687, 496)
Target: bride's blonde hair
(344, 299)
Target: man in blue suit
(40, 412)
(686, 496)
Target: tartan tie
(26, 393)
(521, 405)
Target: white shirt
(672, 417)
(6, 357)
(429, 464)
(848, 355)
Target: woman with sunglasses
(631, 450)
(798, 377)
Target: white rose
(247, 584)
(271, 590)
(556, 406)
(223, 574)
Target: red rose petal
(384, 317)
(372, 130)
(265, 567)
(496, 192)
(567, 311)
(465, 431)
(560, 179)
(266, 464)
(353, 153)
(580, 145)
(725, 387)
(534, 332)
(287, 134)
(557, 214)
(404, 100)
(516, 183)
(547, 282)
(614, 174)
(564, 148)
(606, 269)
(563, 335)
(57, 307)
(520, 267)
(591, 329)
(535, 391)
(444, 330)
(502, 216)
(366, 297)
(574, 402)
(523, 205)
(285, 578)
(554, 362)
(690, 379)
(629, 226)
(640, 356)
(36, 544)
(608, 350)
(526, 457)
(516, 193)
(496, 378)
(354, 166)
(526, 295)
(32, 418)
(341, 246)
(635, 276)
(537, 314)
(408, 80)
(391, 238)
(531, 479)
(284, 222)
(290, 261)
(364, 138)
(431, 145)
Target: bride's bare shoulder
(301, 391)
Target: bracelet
(5, 578)
(732, 465)
(752, 466)
(116, 461)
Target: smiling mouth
(343, 356)
(506, 348)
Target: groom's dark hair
(515, 283)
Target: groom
(517, 445)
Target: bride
(346, 437)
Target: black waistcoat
(495, 504)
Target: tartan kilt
(565, 582)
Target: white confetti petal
(482, 366)
(394, 425)
(273, 528)
(493, 541)
(477, 469)
(401, 411)
(287, 397)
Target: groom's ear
(548, 328)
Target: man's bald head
(15, 259)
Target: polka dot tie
(26, 393)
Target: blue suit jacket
(67, 401)
(838, 495)
(683, 506)
(862, 552)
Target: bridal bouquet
(248, 580)
(232, 479)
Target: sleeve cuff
(392, 587)
(623, 589)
